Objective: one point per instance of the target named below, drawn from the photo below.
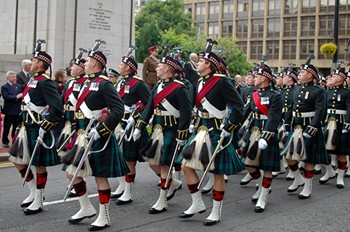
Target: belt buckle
(67, 107)
(158, 112)
(79, 115)
(205, 115)
(333, 111)
(256, 116)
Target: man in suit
(190, 69)
(12, 94)
(24, 76)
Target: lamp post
(335, 36)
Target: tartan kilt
(69, 116)
(168, 148)
(43, 157)
(269, 158)
(226, 161)
(109, 162)
(315, 147)
(130, 149)
(342, 145)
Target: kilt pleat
(130, 149)
(110, 162)
(342, 145)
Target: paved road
(327, 210)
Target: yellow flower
(328, 49)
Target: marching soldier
(113, 76)
(338, 125)
(214, 93)
(262, 151)
(149, 67)
(134, 93)
(306, 143)
(41, 110)
(105, 158)
(171, 106)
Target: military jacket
(272, 100)
(221, 95)
(149, 74)
(310, 98)
(104, 95)
(139, 92)
(287, 103)
(179, 99)
(76, 89)
(44, 93)
(338, 98)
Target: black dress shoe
(293, 190)
(72, 194)
(317, 171)
(245, 182)
(156, 211)
(115, 196)
(31, 212)
(185, 215)
(97, 228)
(208, 222)
(25, 205)
(120, 202)
(258, 209)
(325, 181)
(77, 220)
(255, 200)
(340, 186)
(302, 197)
(289, 178)
(205, 191)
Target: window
(291, 7)
(242, 29)
(290, 26)
(227, 9)
(327, 5)
(213, 10)
(242, 45)
(257, 28)
(309, 6)
(258, 8)
(326, 25)
(199, 27)
(344, 5)
(273, 27)
(308, 26)
(273, 49)
(344, 24)
(306, 47)
(188, 8)
(200, 11)
(213, 30)
(227, 28)
(256, 50)
(342, 53)
(242, 8)
(289, 49)
(274, 7)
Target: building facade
(66, 25)
(286, 31)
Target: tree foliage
(147, 36)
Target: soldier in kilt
(41, 110)
(306, 142)
(170, 106)
(337, 125)
(262, 151)
(214, 93)
(105, 158)
(134, 93)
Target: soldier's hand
(225, 133)
(343, 131)
(137, 134)
(306, 135)
(192, 128)
(95, 134)
(181, 142)
(262, 144)
(130, 123)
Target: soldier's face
(304, 76)
(89, 64)
(258, 80)
(202, 66)
(35, 65)
(76, 70)
(249, 80)
(123, 68)
(161, 70)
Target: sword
(216, 151)
(131, 115)
(37, 144)
(177, 148)
(83, 158)
(66, 141)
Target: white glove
(137, 134)
(286, 133)
(181, 142)
(41, 133)
(306, 135)
(130, 123)
(225, 133)
(343, 131)
(262, 144)
(94, 133)
(192, 128)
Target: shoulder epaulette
(46, 76)
(104, 77)
(200, 79)
(180, 82)
(71, 79)
(138, 78)
(219, 75)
